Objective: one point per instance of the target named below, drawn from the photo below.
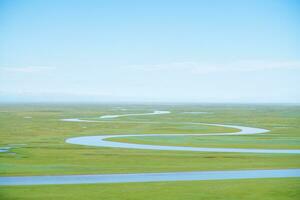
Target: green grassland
(262, 141)
(266, 189)
(38, 148)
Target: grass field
(267, 189)
(36, 135)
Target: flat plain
(37, 136)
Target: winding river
(101, 141)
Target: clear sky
(154, 51)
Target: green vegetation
(39, 149)
(266, 189)
(262, 141)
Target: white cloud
(28, 69)
(208, 67)
(55, 92)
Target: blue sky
(150, 51)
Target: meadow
(37, 136)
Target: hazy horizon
(157, 52)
